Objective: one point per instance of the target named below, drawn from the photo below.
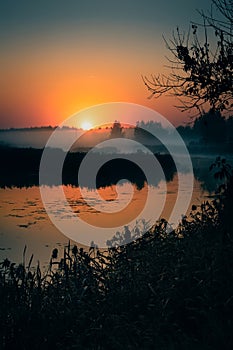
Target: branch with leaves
(201, 71)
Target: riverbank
(163, 291)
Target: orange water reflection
(25, 221)
(108, 194)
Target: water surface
(24, 220)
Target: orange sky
(50, 86)
(53, 67)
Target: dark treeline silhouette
(114, 170)
(210, 129)
(39, 128)
(20, 167)
(144, 132)
(116, 130)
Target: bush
(164, 291)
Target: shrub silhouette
(169, 290)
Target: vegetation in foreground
(162, 291)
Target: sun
(86, 125)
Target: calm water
(24, 220)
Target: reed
(162, 291)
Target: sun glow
(86, 125)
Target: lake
(24, 220)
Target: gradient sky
(58, 56)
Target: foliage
(163, 290)
(116, 130)
(201, 70)
(212, 127)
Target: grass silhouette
(162, 291)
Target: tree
(211, 127)
(116, 130)
(147, 131)
(201, 71)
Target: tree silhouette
(200, 70)
(211, 127)
(116, 130)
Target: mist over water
(30, 138)
(23, 217)
(38, 137)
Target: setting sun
(86, 125)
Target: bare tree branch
(201, 72)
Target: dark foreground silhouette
(162, 291)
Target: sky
(58, 57)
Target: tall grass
(162, 291)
